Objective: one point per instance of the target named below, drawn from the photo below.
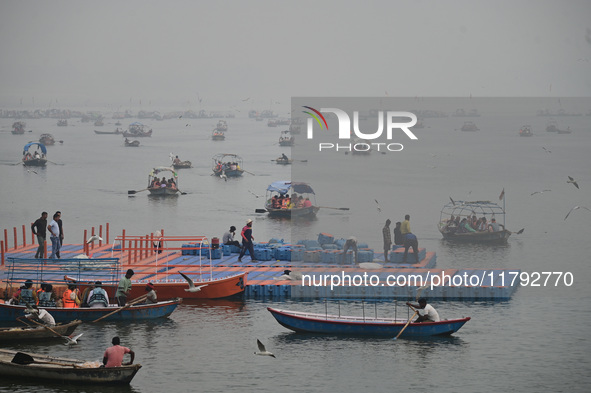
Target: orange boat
(226, 286)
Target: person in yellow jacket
(70, 297)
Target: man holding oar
(427, 312)
(124, 288)
(40, 314)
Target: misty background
(240, 54)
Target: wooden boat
(99, 123)
(158, 190)
(281, 189)
(525, 131)
(35, 159)
(217, 135)
(18, 128)
(134, 143)
(182, 164)
(302, 322)
(286, 139)
(116, 132)
(137, 129)
(551, 126)
(222, 126)
(227, 164)
(283, 161)
(26, 333)
(450, 230)
(138, 135)
(47, 139)
(62, 123)
(567, 131)
(469, 126)
(35, 367)
(9, 312)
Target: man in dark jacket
(39, 228)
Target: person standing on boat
(98, 296)
(350, 244)
(54, 229)
(398, 238)
(39, 228)
(124, 288)
(387, 239)
(113, 356)
(427, 312)
(61, 228)
(228, 238)
(247, 240)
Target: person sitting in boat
(284, 157)
(285, 201)
(98, 296)
(28, 156)
(275, 202)
(151, 296)
(26, 295)
(113, 356)
(483, 225)
(176, 160)
(155, 183)
(307, 203)
(218, 166)
(70, 297)
(493, 226)
(47, 298)
(233, 166)
(41, 315)
(37, 155)
(427, 312)
(300, 202)
(465, 226)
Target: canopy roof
(159, 169)
(28, 145)
(283, 187)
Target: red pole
(123, 241)
(2, 250)
(32, 236)
(129, 253)
(6, 240)
(135, 251)
(92, 234)
(24, 236)
(147, 246)
(100, 235)
(107, 232)
(152, 243)
(15, 241)
(84, 245)
(45, 247)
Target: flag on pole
(502, 194)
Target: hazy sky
(167, 53)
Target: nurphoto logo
(361, 140)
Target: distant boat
(282, 207)
(62, 123)
(116, 132)
(18, 128)
(137, 129)
(227, 164)
(157, 189)
(99, 123)
(47, 139)
(134, 143)
(551, 126)
(286, 139)
(35, 159)
(222, 126)
(26, 333)
(469, 126)
(450, 230)
(525, 131)
(217, 135)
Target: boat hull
(36, 332)
(183, 164)
(218, 137)
(357, 326)
(107, 132)
(300, 212)
(35, 162)
(139, 134)
(64, 371)
(498, 237)
(229, 172)
(163, 191)
(9, 312)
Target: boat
(227, 164)
(449, 222)
(26, 333)
(137, 129)
(551, 126)
(134, 143)
(157, 189)
(179, 164)
(525, 131)
(469, 126)
(18, 127)
(47, 139)
(99, 123)
(9, 312)
(567, 131)
(62, 123)
(222, 126)
(116, 132)
(280, 194)
(35, 159)
(283, 161)
(302, 322)
(286, 139)
(33, 367)
(217, 135)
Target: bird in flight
(192, 287)
(94, 238)
(546, 150)
(573, 181)
(72, 340)
(539, 192)
(575, 208)
(262, 350)
(258, 196)
(246, 99)
(379, 208)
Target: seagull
(192, 287)
(94, 238)
(519, 232)
(72, 340)
(379, 208)
(575, 208)
(539, 192)
(546, 150)
(573, 181)
(262, 350)
(246, 99)
(258, 196)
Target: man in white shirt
(427, 312)
(40, 314)
(54, 230)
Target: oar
(46, 327)
(137, 300)
(249, 172)
(55, 163)
(408, 323)
(336, 208)
(260, 210)
(135, 192)
(24, 359)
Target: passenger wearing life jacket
(27, 294)
(70, 297)
(41, 289)
(98, 296)
(47, 297)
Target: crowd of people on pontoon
(163, 183)
(34, 156)
(227, 166)
(470, 224)
(284, 201)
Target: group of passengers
(35, 155)
(470, 224)
(232, 166)
(156, 183)
(284, 201)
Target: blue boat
(9, 312)
(302, 322)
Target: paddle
(137, 300)
(407, 323)
(249, 172)
(336, 208)
(25, 359)
(260, 210)
(46, 327)
(55, 163)
(135, 192)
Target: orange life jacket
(68, 302)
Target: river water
(537, 341)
